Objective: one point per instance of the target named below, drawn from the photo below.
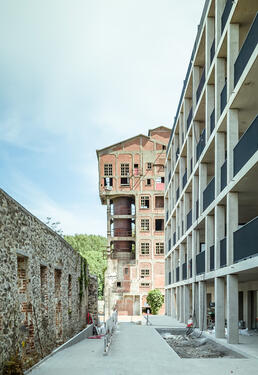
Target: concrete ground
(138, 350)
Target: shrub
(155, 299)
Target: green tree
(92, 248)
(155, 299)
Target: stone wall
(45, 287)
(93, 297)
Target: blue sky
(79, 75)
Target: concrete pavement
(137, 350)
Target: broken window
(125, 181)
(124, 169)
(118, 284)
(145, 224)
(145, 272)
(162, 180)
(126, 271)
(159, 225)
(145, 285)
(159, 248)
(163, 147)
(159, 201)
(145, 202)
(148, 181)
(149, 166)
(145, 248)
(108, 181)
(108, 169)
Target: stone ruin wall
(45, 288)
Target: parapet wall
(45, 287)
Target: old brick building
(45, 287)
(131, 185)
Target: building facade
(131, 185)
(211, 193)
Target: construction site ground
(140, 349)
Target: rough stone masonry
(45, 287)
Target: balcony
(223, 98)
(246, 240)
(200, 263)
(184, 271)
(212, 264)
(117, 210)
(184, 178)
(223, 252)
(120, 232)
(177, 274)
(200, 86)
(212, 121)
(189, 219)
(246, 147)
(200, 145)
(189, 118)
(212, 51)
(209, 194)
(225, 14)
(174, 238)
(223, 175)
(246, 50)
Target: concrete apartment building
(131, 185)
(211, 186)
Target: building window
(163, 147)
(108, 181)
(149, 166)
(159, 225)
(145, 272)
(125, 181)
(162, 180)
(118, 284)
(202, 247)
(159, 202)
(108, 170)
(145, 224)
(145, 285)
(126, 271)
(148, 182)
(145, 202)
(159, 248)
(145, 248)
(124, 169)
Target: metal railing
(246, 146)
(209, 194)
(189, 118)
(200, 145)
(246, 240)
(225, 14)
(223, 175)
(212, 51)
(200, 263)
(223, 98)
(223, 252)
(246, 50)
(110, 326)
(212, 264)
(212, 121)
(189, 219)
(200, 86)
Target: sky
(80, 75)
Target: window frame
(145, 272)
(108, 167)
(125, 169)
(143, 200)
(144, 224)
(145, 248)
(159, 248)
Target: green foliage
(155, 299)
(91, 247)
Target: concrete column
(189, 155)
(173, 303)
(232, 53)
(219, 232)
(202, 184)
(232, 309)
(209, 239)
(232, 139)
(196, 80)
(181, 172)
(186, 209)
(219, 307)
(220, 74)
(187, 107)
(194, 251)
(195, 139)
(219, 7)
(181, 289)
(209, 107)
(181, 260)
(219, 159)
(202, 306)
(232, 224)
(177, 303)
(246, 309)
(189, 254)
(209, 36)
(174, 266)
(195, 304)
(186, 303)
